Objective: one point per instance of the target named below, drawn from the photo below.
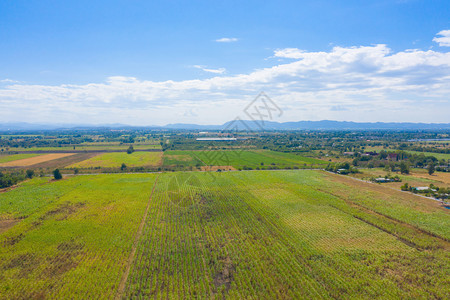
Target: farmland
(261, 234)
(112, 160)
(13, 157)
(34, 159)
(239, 159)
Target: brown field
(443, 177)
(35, 160)
(417, 177)
(379, 192)
(66, 161)
(6, 224)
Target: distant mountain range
(240, 125)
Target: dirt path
(123, 281)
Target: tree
(405, 187)
(130, 150)
(30, 173)
(431, 168)
(123, 167)
(57, 174)
(404, 169)
(75, 171)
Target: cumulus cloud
(215, 71)
(227, 40)
(444, 39)
(365, 83)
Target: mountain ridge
(241, 125)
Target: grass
(417, 177)
(115, 160)
(73, 236)
(299, 234)
(437, 155)
(238, 159)
(13, 157)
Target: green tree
(130, 150)
(431, 168)
(404, 168)
(405, 187)
(57, 174)
(123, 167)
(30, 173)
(76, 171)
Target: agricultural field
(239, 159)
(34, 160)
(115, 160)
(71, 238)
(236, 235)
(416, 177)
(96, 147)
(13, 157)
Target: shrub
(57, 174)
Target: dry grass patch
(35, 160)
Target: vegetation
(57, 174)
(11, 178)
(285, 234)
(229, 234)
(116, 159)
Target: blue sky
(159, 62)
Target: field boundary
(130, 260)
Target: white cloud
(215, 71)
(7, 80)
(227, 40)
(444, 40)
(366, 83)
(289, 53)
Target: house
(342, 171)
(382, 179)
(424, 188)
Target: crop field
(115, 160)
(95, 147)
(33, 160)
(8, 158)
(239, 159)
(416, 177)
(71, 238)
(261, 235)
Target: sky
(146, 63)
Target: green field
(13, 157)
(115, 160)
(72, 237)
(238, 159)
(437, 155)
(238, 235)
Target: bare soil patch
(65, 161)
(26, 162)
(6, 224)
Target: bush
(30, 173)
(130, 150)
(57, 174)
